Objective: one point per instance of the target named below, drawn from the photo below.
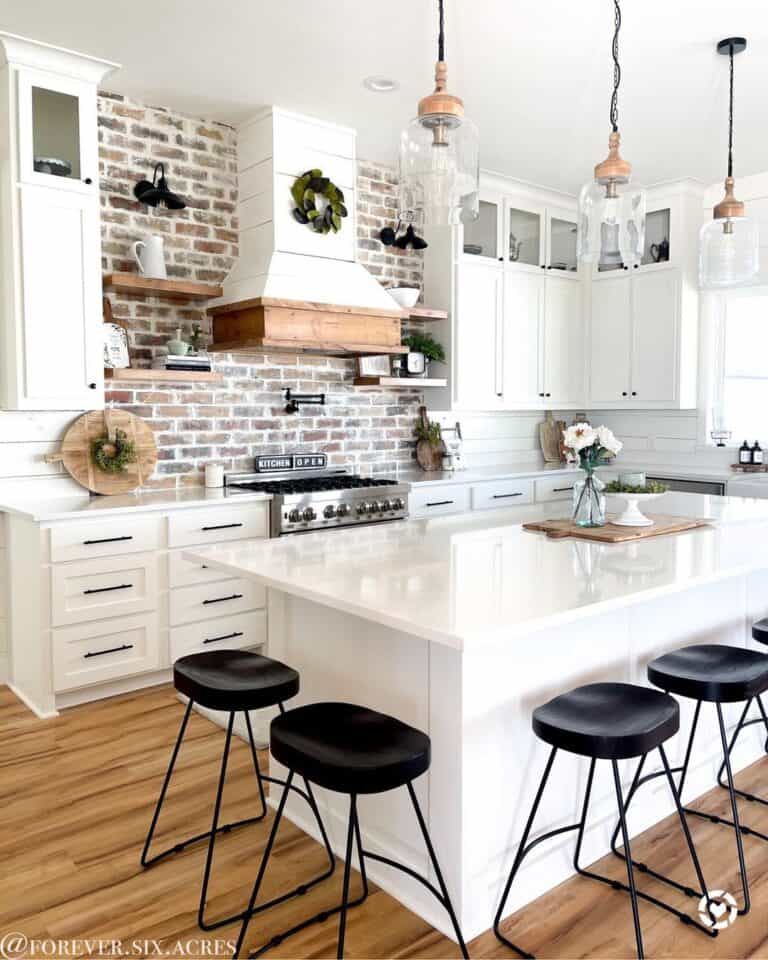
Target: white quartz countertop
(418, 478)
(68, 508)
(481, 579)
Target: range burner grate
(313, 484)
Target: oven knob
(294, 516)
(362, 507)
(330, 512)
(342, 510)
(373, 507)
(309, 514)
(398, 504)
(385, 506)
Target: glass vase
(589, 502)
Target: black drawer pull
(121, 586)
(100, 653)
(226, 636)
(222, 526)
(561, 489)
(505, 496)
(235, 596)
(440, 503)
(88, 543)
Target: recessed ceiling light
(380, 84)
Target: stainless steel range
(318, 498)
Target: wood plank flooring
(76, 796)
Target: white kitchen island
(461, 626)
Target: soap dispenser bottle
(745, 453)
(757, 453)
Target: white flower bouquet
(594, 446)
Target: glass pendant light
(729, 244)
(439, 156)
(611, 227)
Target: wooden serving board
(75, 451)
(612, 532)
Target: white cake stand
(631, 516)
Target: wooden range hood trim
(303, 326)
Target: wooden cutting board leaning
(77, 451)
(612, 533)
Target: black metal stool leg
(347, 870)
(735, 812)
(438, 872)
(630, 870)
(522, 850)
(144, 861)
(263, 866)
(741, 725)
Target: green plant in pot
(423, 349)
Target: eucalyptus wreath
(112, 456)
(306, 190)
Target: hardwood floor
(76, 796)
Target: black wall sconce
(157, 194)
(410, 238)
(294, 400)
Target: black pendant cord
(441, 34)
(616, 68)
(730, 117)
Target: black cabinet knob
(634, 393)
(636, 266)
(87, 180)
(501, 259)
(543, 266)
(625, 268)
(549, 394)
(549, 267)
(624, 393)
(541, 394)
(91, 386)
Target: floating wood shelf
(404, 383)
(325, 349)
(424, 313)
(171, 289)
(137, 375)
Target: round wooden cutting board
(75, 451)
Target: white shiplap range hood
(293, 288)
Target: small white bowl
(405, 297)
(632, 517)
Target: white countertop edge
(468, 642)
(74, 507)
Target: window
(743, 404)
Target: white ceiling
(535, 74)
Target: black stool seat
(608, 720)
(760, 631)
(234, 680)
(712, 672)
(348, 748)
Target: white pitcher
(150, 256)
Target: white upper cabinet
(478, 374)
(610, 342)
(522, 340)
(50, 247)
(563, 342)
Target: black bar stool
(606, 721)
(713, 673)
(233, 681)
(352, 750)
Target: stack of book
(200, 362)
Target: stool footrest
(713, 818)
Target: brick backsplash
(230, 422)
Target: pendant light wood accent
(440, 103)
(614, 167)
(729, 206)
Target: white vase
(149, 254)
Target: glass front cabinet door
(524, 235)
(561, 241)
(57, 132)
(482, 237)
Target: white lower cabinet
(554, 488)
(444, 499)
(501, 493)
(435, 500)
(102, 605)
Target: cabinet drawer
(216, 524)
(183, 573)
(501, 493)
(107, 650)
(227, 633)
(215, 600)
(435, 501)
(555, 488)
(84, 539)
(111, 587)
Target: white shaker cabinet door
(477, 361)
(62, 363)
(610, 341)
(655, 327)
(563, 342)
(521, 335)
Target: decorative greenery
(652, 486)
(112, 456)
(195, 337)
(425, 343)
(430, 432)
(306, 190)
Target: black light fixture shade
(157, 194)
